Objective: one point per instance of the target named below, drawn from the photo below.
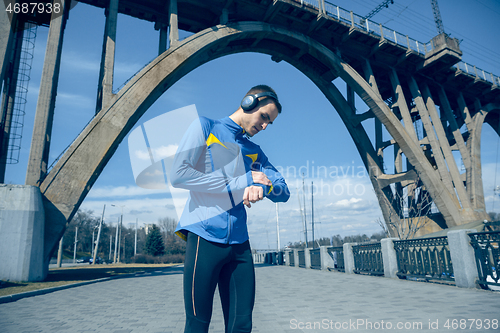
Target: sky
(308, 136)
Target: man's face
(259, 118)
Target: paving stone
(288, 299)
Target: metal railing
(280, 258)
(315, 258)
(477, 73)
(368, 259)
(302, 258)
(337, 254)
(377, 29)
(291, 258)
(487, 253)
(426, 258)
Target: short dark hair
(265, 88)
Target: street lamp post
(93, 241)
(120, 238)
(74, 248)
(110, 247)
(116, 240)
(125, 246)
(119, 233)
(135, 244)
(96, 244)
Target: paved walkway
(288, 299)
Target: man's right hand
(252, 194)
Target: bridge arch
(67, 184)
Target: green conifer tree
(154, 242)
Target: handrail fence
(426, 258)
(315, 258)
(487, 253)
(337, 255)
(291, 259)
(302, 258)
(476, 255)
(368, 259)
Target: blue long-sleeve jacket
(214, 162)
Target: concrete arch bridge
(405, 83)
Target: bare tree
(173, 243)
(412, 204)
(167, 225)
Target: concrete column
(307, 256)
(349, 258)
(162, 47)
(287, 258)
(475, 181)
(351, 100)
(389, 257)
(105, 84)
(9, 73)
(173, 24)
(462, 257)
(22, 221)
(400, 101)
(42, 128)
(296, 257)
(224, 17)
(326, 259)
(433, 141)
(6, 40)
(445, 148)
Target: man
(224, 172)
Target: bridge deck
(338, 30)
(287, 300)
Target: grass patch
(68, 275)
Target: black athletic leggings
(209, 264)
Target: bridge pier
(22, 211)
(22, 224)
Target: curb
(16, 297)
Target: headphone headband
(249, 102)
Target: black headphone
(249, 102)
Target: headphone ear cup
(249, 102)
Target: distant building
(148, 227)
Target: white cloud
(165, 151)
(159, 152)
(345, 203)
(121, 191)
(81, 101)
(80, 63)
(142, 155)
